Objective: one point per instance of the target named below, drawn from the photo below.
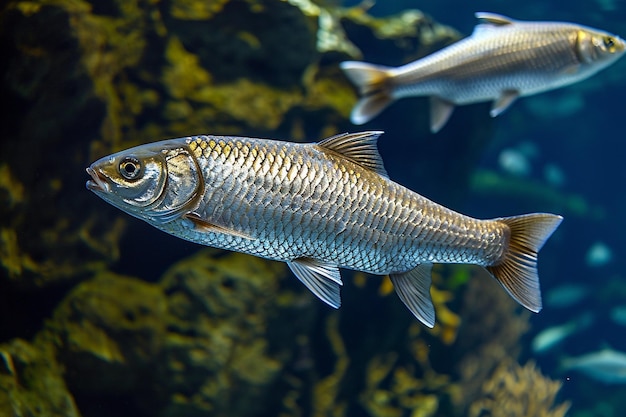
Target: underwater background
(102, 315)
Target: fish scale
(318, 207)
(332, 181)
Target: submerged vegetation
(218, 333)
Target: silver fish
(318, 207)
(548, 339)
(503, 59)
(606, 365)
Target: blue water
(561, 152)
(572, 142)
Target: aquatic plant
(31, 381)
(515, 391)
(83, 79)
(199, 338)
(490, 331)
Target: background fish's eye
(609, 43)
(130, 168)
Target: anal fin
(413, 288)
(322, 279)
(503, 102)
(440, 112)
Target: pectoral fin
(413, 288)
(440, 112)
(205, 226)
(503, 102)
(570, 69)
(322, 279)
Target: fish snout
(97, 183)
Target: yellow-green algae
(325, 392)
(197, 338)
(132, 64)
(31, 381)
(11, 186)
(196, 10)
(220, 335)
(515, 390)
(220, 309)
(491, 328)
(46, 236)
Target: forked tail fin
(372, 83)
(517, 270)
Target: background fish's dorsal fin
(493, 19)
(359, 148)
(489, 21)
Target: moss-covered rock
(112, 327)
(218, 333)
(209, 338)
(220, 357)
(31, 381)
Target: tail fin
(371, 80)
(517, 271)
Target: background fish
(317, 207)
(502, 60)
(606, 365)
(548, 339)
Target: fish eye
(129, 168)
(609, 43)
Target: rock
(222, 356)
(111, 326)
(31, 381)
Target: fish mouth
(96, 183)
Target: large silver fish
(318, 207)
(503, 59)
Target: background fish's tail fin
(372, 83)
(517, 271)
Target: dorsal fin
(359, 148)
(486, 18)
(488, 22)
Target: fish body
(503, 59)
(318, 207)
(606, 365)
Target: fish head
(156, 182)
(598, 48)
